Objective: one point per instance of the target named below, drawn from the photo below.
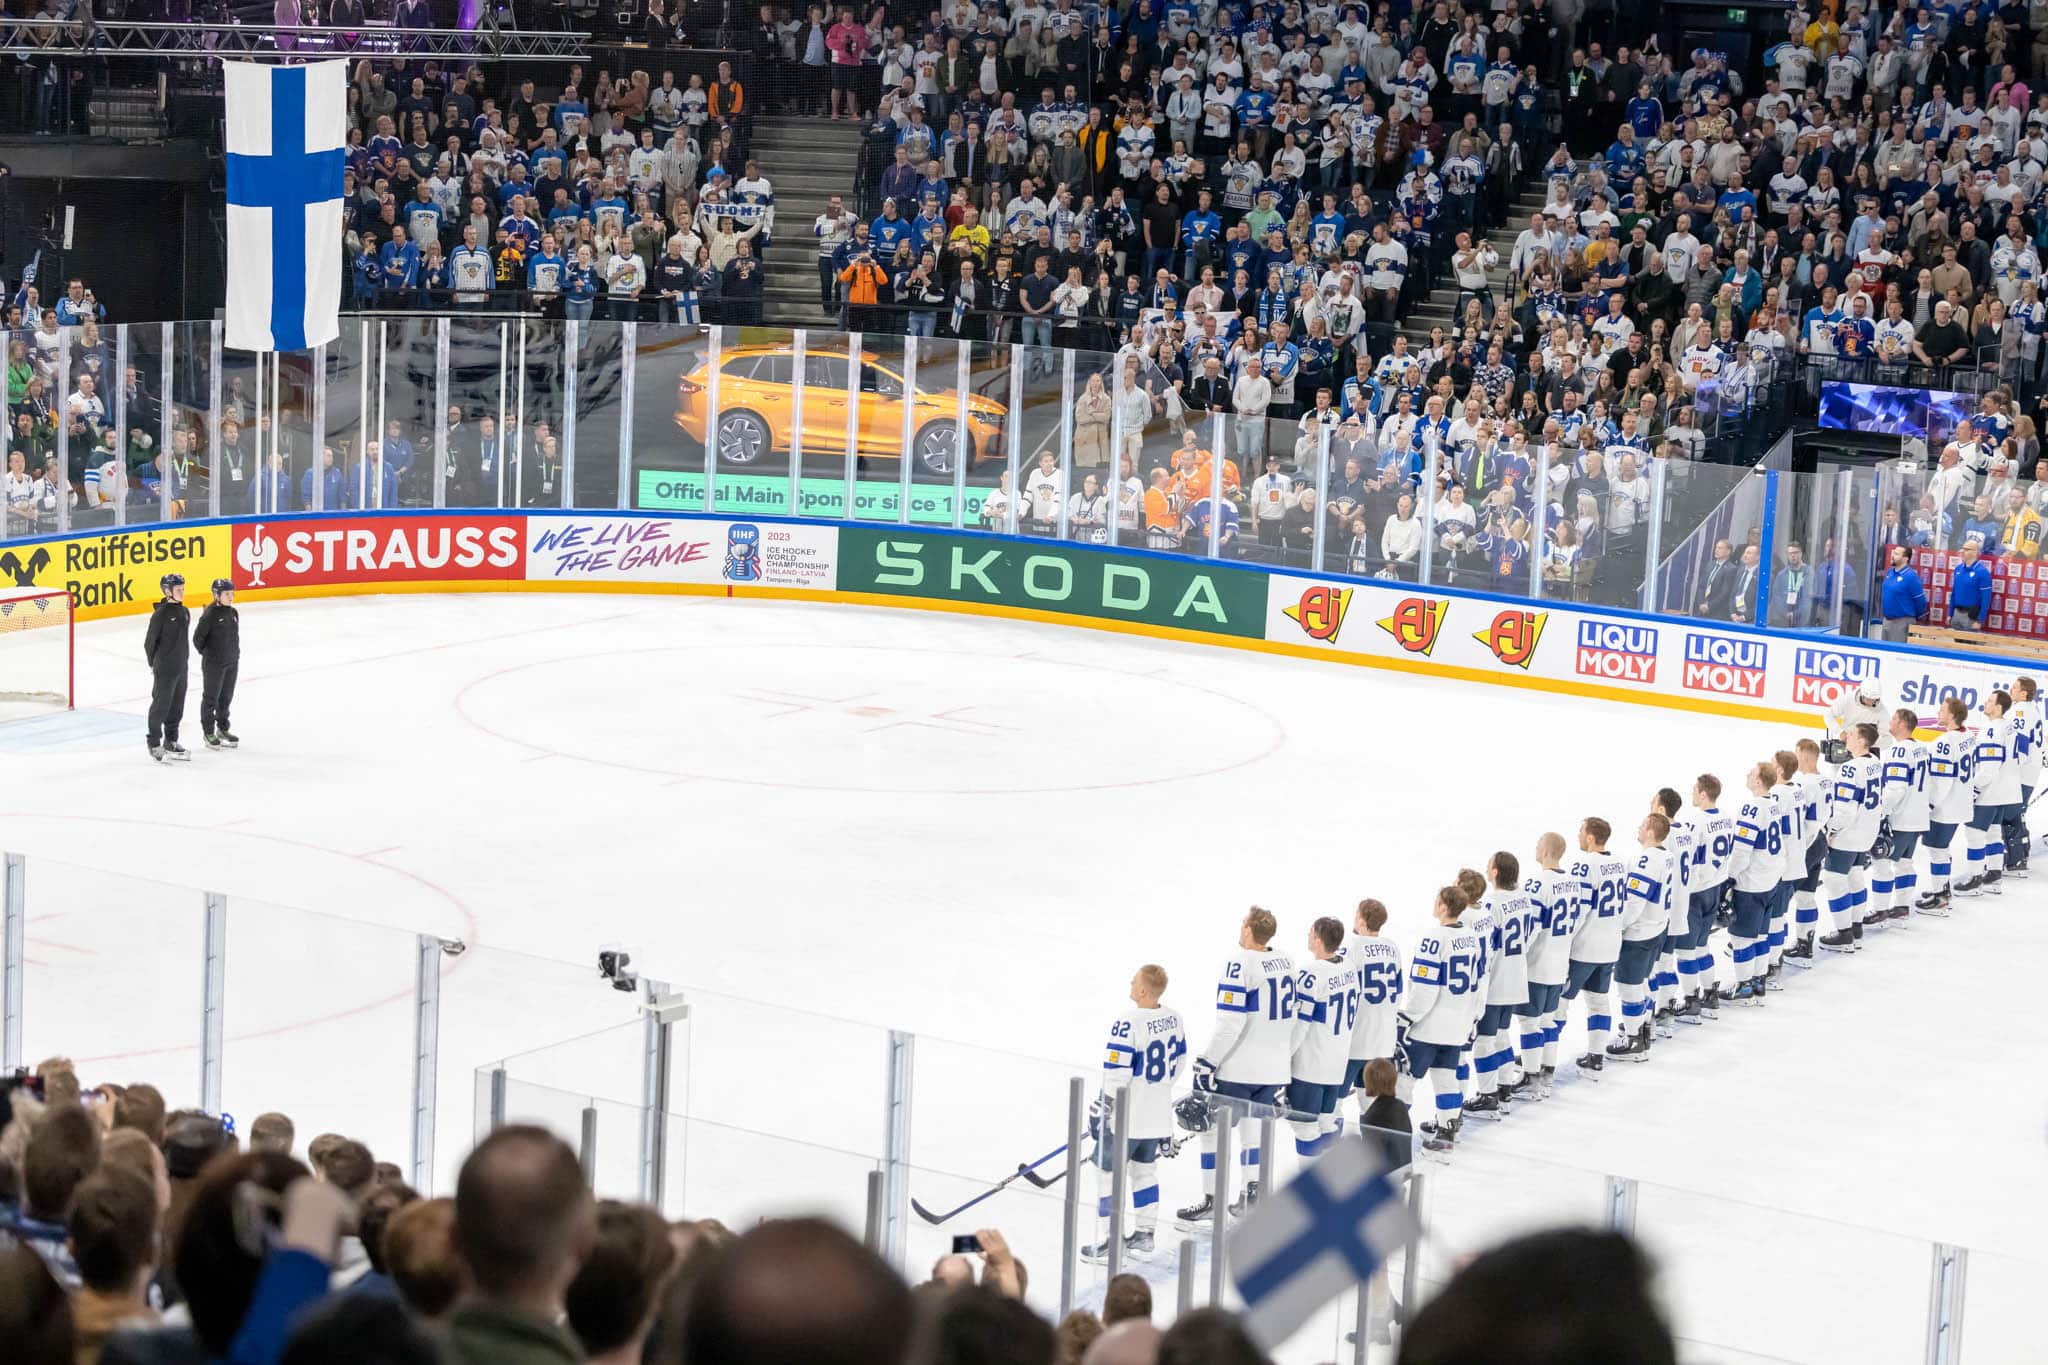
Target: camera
(613, 964)
(1835, 751)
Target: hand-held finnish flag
(285, 130)
(1324, 1234)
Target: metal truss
(260, 42)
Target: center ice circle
(877, 719)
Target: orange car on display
(757, 407)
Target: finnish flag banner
(286, 126)
(1326, 1233)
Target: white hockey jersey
(2027, 737)
(1146, 1052)
(1852, 804)
(1811, 791)
(1254, 1039)
(1603, 893)
(1791, 852)
(1554, 899)
(1681, 843)
(1904, 797)
(1377, 962)
(1647, 896)
(1326, 1008)
(1998, 772)
(1951, 777)
(1716, 833)
(1444, 996)
(1480, 920)
(1514, 923)
(1759, 845)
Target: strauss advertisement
(435, 549)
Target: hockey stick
(1044, 1182)
(989, 1193)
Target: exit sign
(1738, 16)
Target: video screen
(1931, 414)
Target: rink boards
(1447, 632)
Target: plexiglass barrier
(466, 411)
(714, 1105)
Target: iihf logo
(743, 553)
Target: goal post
(38, 660)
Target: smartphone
(966, 1244)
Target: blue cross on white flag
(285, 130)
(1323, 1235)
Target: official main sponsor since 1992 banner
(118, 571)
(1725, 664)
(767, 495)
(1821, 675)
(1613, 651)
(1156, 590)
(626, 549)
(354, 550)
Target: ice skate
(1838, 942)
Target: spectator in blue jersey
(1969, 590)
(78, 305)
(1903, 600)
(320, 488)
(1200, 228)
(579, 286)
(400, 263)
(1982, 527)
(370, 482)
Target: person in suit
(1210, 390)
(1385, 1122)
(1744, 596)
(1717, 590)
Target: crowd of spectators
(630, 197)
(135, 1235)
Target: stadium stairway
(1436, 310)
(808, 160)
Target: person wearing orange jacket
(727, 104)
(864, 281)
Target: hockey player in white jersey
(1596, 943)
(1682, 843)
(1646, 910)
(1326, 1009)
(1441, 1006)
(1251, 1051)
(1554, 899)
(1713, 850)
(1377, 961)
(1479, 918)
(1753, 865)
(1951, 798)
(1512, 912)
(1147, 1046)
(1997, 784)
(1852, 830)
(1810, 792)
(1903, 802)
(2027, 738)
(1785, 810)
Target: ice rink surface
(973, 829)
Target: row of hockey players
(1479, 1011)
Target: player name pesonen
(117, 552)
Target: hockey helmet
(1192, 1112)
(171, 580)
(221, 585)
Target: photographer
(864, 281)
(1859, 705)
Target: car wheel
(935, 448)
(743, 439)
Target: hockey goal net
(36, 661)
